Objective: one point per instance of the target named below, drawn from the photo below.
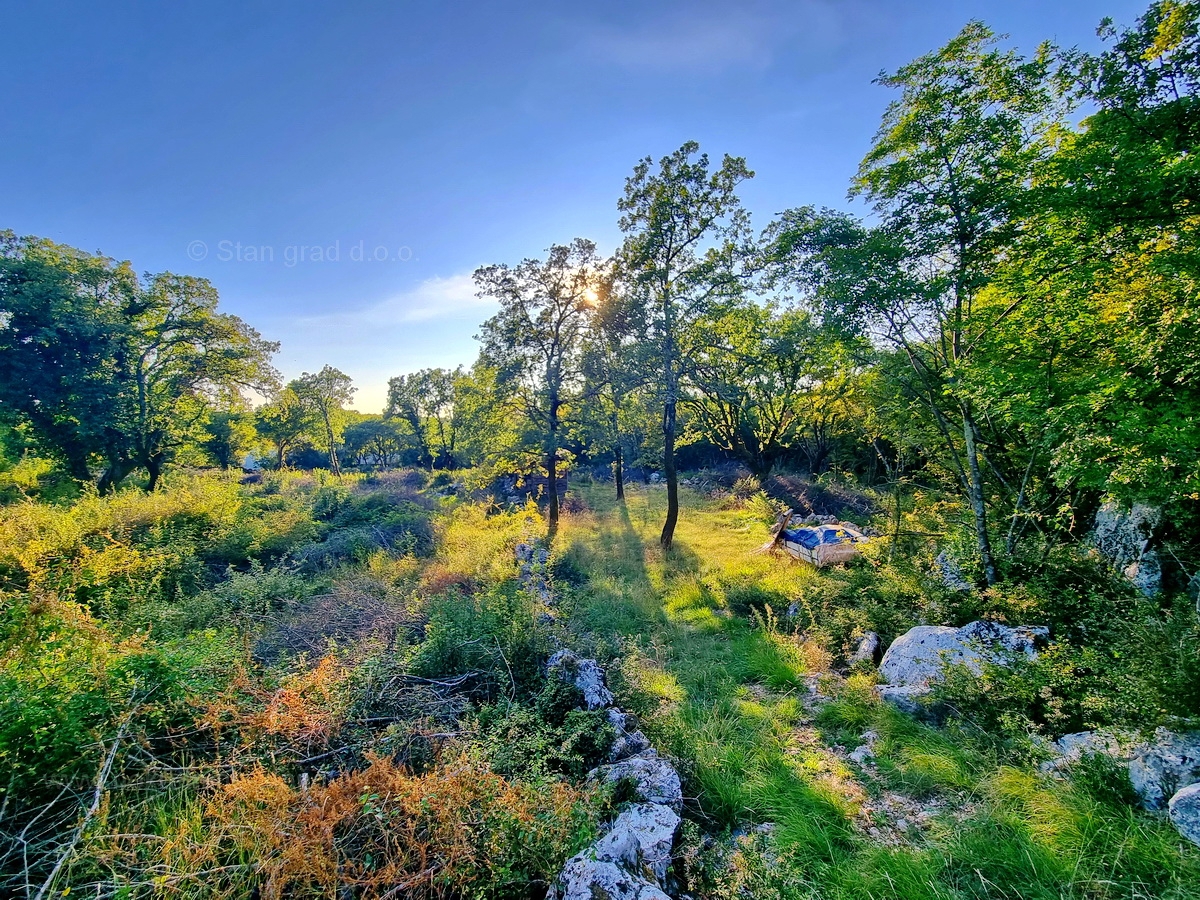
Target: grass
(694, 640)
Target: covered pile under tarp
(819, 543)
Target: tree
(62, 324)
(949, 174)
(326, 394)
(766, 384)
(424, 402)
(535, 341)
(374, 437)
(226, 435)
(613, 367)
(185, 359)
(109, 368)
(686, 236)
(285, 421)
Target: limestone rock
(1070, 748)
(584, 878)
(1164, 765)
(585, 674)
(629, 740)
(652, 827)
(1184, 810)
(951, 574)
(1123, 537)
(915, 659)
(867, 650)
(909, 700)
(1157, 768)
(654, 779)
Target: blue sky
(339, 169)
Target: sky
(338, 170)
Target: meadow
(309, 686)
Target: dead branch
(97, 794)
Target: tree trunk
(975, 495)
(619, 472)
(552, 465)
(333, 460)
(113, 476)
(154, 465)
(618, 460)
(672, 477)
(77, 465)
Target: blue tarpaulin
(816, 535)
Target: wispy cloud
(723, 35)
(434, 298)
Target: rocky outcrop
(1184, 812)
(585, 674)
(1123, 537)
(867, 649)
(1164, 771)
(630, 860)
(629, 741)
(1157, 767)
(950, 573)
(652, 827)
(1165, 764)
(652, 778)
(533, 571)
(591, 878)
(916, 659)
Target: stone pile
(630, 860)
(1164, 770)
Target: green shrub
(491, 637)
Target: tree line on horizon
(1016, 324)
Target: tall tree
(227, 434)
(62, 329)
(613, 366)
(285, 421)
(766, 384)
(326, 393)
(424, 402)
(949, 174)
(686, 235)
(109, 368)
(535, 341)
(185, 359)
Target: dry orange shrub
(458, 830)
(307, 709)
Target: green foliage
(491, 639)
(536, 741)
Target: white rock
(583, 878)
(1169, 762)
(585, 674)
(649, 828)
(1070, 748)
(861, 754)
(1184, 810)
(654, 779)
(916, 658)
(1123, 537)
(1157, 768)
(951, 574)
(629, 740)
(867, 649)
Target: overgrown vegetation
(325, 676)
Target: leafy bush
(520, 740)
(491, 638)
